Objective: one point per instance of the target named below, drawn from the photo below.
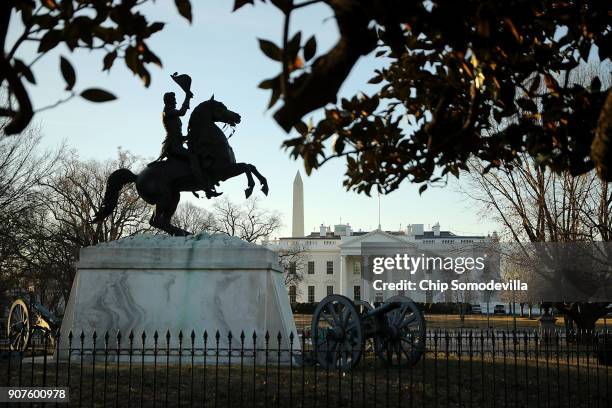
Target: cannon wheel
(18, 326)
(337, 335)
(404, 342)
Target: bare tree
(75, 193)
(193, 218)
(294, 261)
(247, 221)
(534, 205)
(23, 165)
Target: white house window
(311, 294)
(357, 268)
(330, 290)
(311, 267)
(357, 292)
(330, 267)
(292, 294)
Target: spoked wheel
(337, 336)
(404, 341)
(18, 325)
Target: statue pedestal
(160, 283)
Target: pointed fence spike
(242, 335)
(217, 335)
(229, 335)
(94, 335)
(143, 336)
(82, 336)
(131, 335)
(70, 335)
(254, 335)
(192, 335)
(279, 336)
(205, 335)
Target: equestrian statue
(207, 160)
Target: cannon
(26, 318)
(343, 330)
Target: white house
(334, 257)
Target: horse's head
(214, 111)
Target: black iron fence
(467, 368)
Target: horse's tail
(114, 184)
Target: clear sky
(220, 51)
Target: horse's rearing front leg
(251, 182)
(262, 179)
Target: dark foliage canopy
(462, 79)
(485, 79)
(115, 29)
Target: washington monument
(298, 207)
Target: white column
(343, 275)
(365, 287)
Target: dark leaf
(49, 40)
(155, 27)
(422, 189)
(275, 95)
(310, 48)
(294, 45)
(109, 59)
(184, 8)
(240, 3)
(283, 5)
(131, 59)
(339, 145)
(301, 128)
(97, 95)
(376, 80)
(270, 83)
(24, 70)
(68, 73)
(270, 49)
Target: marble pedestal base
(171, 284)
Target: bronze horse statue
(160, 183)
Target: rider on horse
(173, 143)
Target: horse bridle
(225, 125)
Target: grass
(438, 380)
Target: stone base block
(204, 283)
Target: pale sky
(220, 51)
